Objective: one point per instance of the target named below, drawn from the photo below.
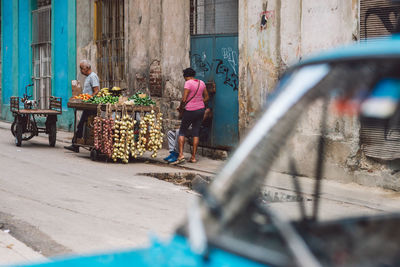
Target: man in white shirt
(91, 87)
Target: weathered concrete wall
(344, 160)
(157, 49)
(175, 55)
(341, 139)
(292, 31)
(85, 46)
(277, 33)
(142, 43)
(325, 24)
(259, 57)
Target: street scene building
(240, 49)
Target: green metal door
(215, 60)
(214, 57)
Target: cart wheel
(25, 136)
(52, 134)
(18, 134)
(13, 125)
(94, 154)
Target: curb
(161, 162)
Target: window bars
(213, 17)
(41, 54)
(110, 38)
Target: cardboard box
(76, 88)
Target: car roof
(382, 48)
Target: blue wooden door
(215, 59)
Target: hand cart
(88, 133)
(25, 127)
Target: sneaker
(168, 157)
(72, 148)
(171, 155)
(174, 157)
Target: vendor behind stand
(91, 87)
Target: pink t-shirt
(197, 102)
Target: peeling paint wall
(325, 24)
(157, 47)
(85, 46)
(259, 56)
(274, 34)
(175, 56)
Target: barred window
(109, 36)
(213, 16)
(41, 53)
(378, 18)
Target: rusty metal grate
(213, 17)
(378, 18)
(110, 39)
(380, 138)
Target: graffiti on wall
(387, 15)
(266, 16)
(200, 64)
(224, 68)
(230, 56)
(225, 72)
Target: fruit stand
(119, 128)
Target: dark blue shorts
(194, 118)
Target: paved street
(60, 202)
(54, 202)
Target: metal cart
(25, 127)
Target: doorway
(214, 56)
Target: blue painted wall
(24, 48)
(17, 52)
(9, 53)
(63, 54)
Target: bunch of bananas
(104, 92)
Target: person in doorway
(91, 87)
(193, 102)
(173, 136)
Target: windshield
(318, 127)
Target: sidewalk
(204, 164)
(14, 252)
